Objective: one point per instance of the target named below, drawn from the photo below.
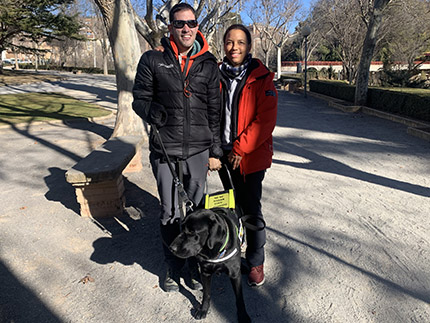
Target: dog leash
(244, 220)
(185, 204)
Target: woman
(249, 101)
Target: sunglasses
(181, 23)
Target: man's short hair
(179, 7)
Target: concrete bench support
(98, 179)
(290, 85)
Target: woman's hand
(234, 159)
(214, 164)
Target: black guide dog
(211, 235)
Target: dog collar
(222, 251)
(221, 257)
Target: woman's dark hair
(240, 27)
(179, 7)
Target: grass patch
(31, 107)
(11, 77)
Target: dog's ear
(214, 231)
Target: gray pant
(194, 169)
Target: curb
(344, 106)
(396, 118)
(423, 133)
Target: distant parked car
(20, 61)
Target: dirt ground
(346, 204)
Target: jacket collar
(259, 70)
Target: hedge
(412, 103)
(90, 70)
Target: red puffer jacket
(256, 120)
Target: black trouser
(248, 190)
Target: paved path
(346, 203)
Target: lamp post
(306, 31)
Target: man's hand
(234, 159)
(214, 164)
(157, 115)
(159, 48)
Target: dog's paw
(199, 313)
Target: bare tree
(218, 15)
(373, 11)
(272, 20)
(119, 18)
(97, 41)
(408, 35)
(339, 24)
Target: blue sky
(305, 7)
(306, 3)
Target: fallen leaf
(87, 279)
(22, 207)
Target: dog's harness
(222, 251)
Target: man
(177, 91)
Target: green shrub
(90, 70)
(414, 103)
(312, 73)
(323, 73)
(335, 89)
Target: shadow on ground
(366, 136)
(24, 306)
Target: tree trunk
(119, 21)
(105, 65)
(369, 44)
(16, 60)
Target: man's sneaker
(256, 276)
(195, 278)
(171, 283)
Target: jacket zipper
(187, 112)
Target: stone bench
(98, 179)
(290, 85)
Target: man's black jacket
(191, 101)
